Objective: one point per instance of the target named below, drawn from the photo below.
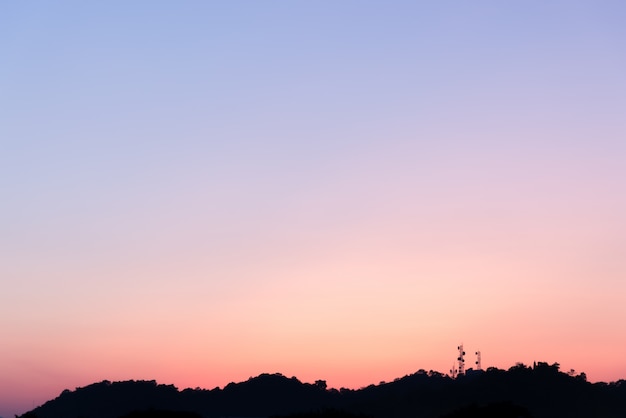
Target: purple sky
(197, 192)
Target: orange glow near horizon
(197, 195)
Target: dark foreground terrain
(538, 391)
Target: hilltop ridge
(538, 391)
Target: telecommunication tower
(461, 360)
(453, 371)
(478, 365)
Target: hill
(522, 391)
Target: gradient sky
(198, 192)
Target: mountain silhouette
(522, 391)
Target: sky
(198, 192)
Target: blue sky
(161, 161)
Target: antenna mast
(453, 371)
(478, 364)
(461, 360)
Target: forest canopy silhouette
(540, 390)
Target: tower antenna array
(461, 360)
(453, 371)
(478, 364)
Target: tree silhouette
(541, 390)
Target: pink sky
(211, 192)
